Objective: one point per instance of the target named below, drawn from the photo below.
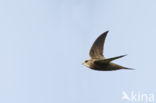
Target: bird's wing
(106, 61)
(96, 51)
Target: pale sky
(44, 42)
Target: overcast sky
(44, 42)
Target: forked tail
(114, 58)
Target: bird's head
(86, 63)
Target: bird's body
(97, 61)
(93, 64)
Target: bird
(97, 61)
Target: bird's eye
(86, 61)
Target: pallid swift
(97, 61)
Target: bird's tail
(114, 58)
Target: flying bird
(97, 61)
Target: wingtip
(107, 31)
(130, 68)
(125, 55)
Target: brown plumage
(98, 61)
